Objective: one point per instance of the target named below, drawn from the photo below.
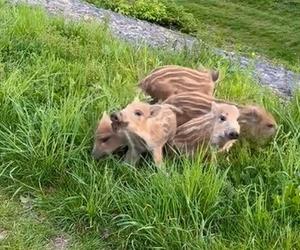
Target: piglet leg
(158, 156)
(132, 156)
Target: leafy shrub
(163, 12)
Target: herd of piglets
(183, 115)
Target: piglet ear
(214, 75)
(254, 114)
(251, 113)
(104, 114)
(214, 107)
(254, 111)
(105, 117)
(154, 110)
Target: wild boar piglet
(106, 141)
(257, 125)
(219, 128)
(172, 79)
(146, 128)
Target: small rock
(105, 234)
(27, 202)
(60, 242)
(3, 234)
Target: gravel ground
(136, 31)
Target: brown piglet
(257, 125)
(146, 128)
(218, 128)
(169, 80)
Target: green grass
(20, 226)
(23, 227)
(267, 28)
(56, 78)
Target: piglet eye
(270, 125)
(222, 118)
(138, 113)
(104, 140)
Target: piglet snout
(233, 135)
(117, 121)
(114, 117)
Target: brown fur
(106, 140)
(218, 128)
(257, 125)
(146, 128)
(168, 80)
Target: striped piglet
(218, 128)
(257, 125)
(169, 80)
(145, 128)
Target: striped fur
(146, 128)
(192, 104)
(257, 125)
(208, 129)
(194, 133)
(168, 80)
